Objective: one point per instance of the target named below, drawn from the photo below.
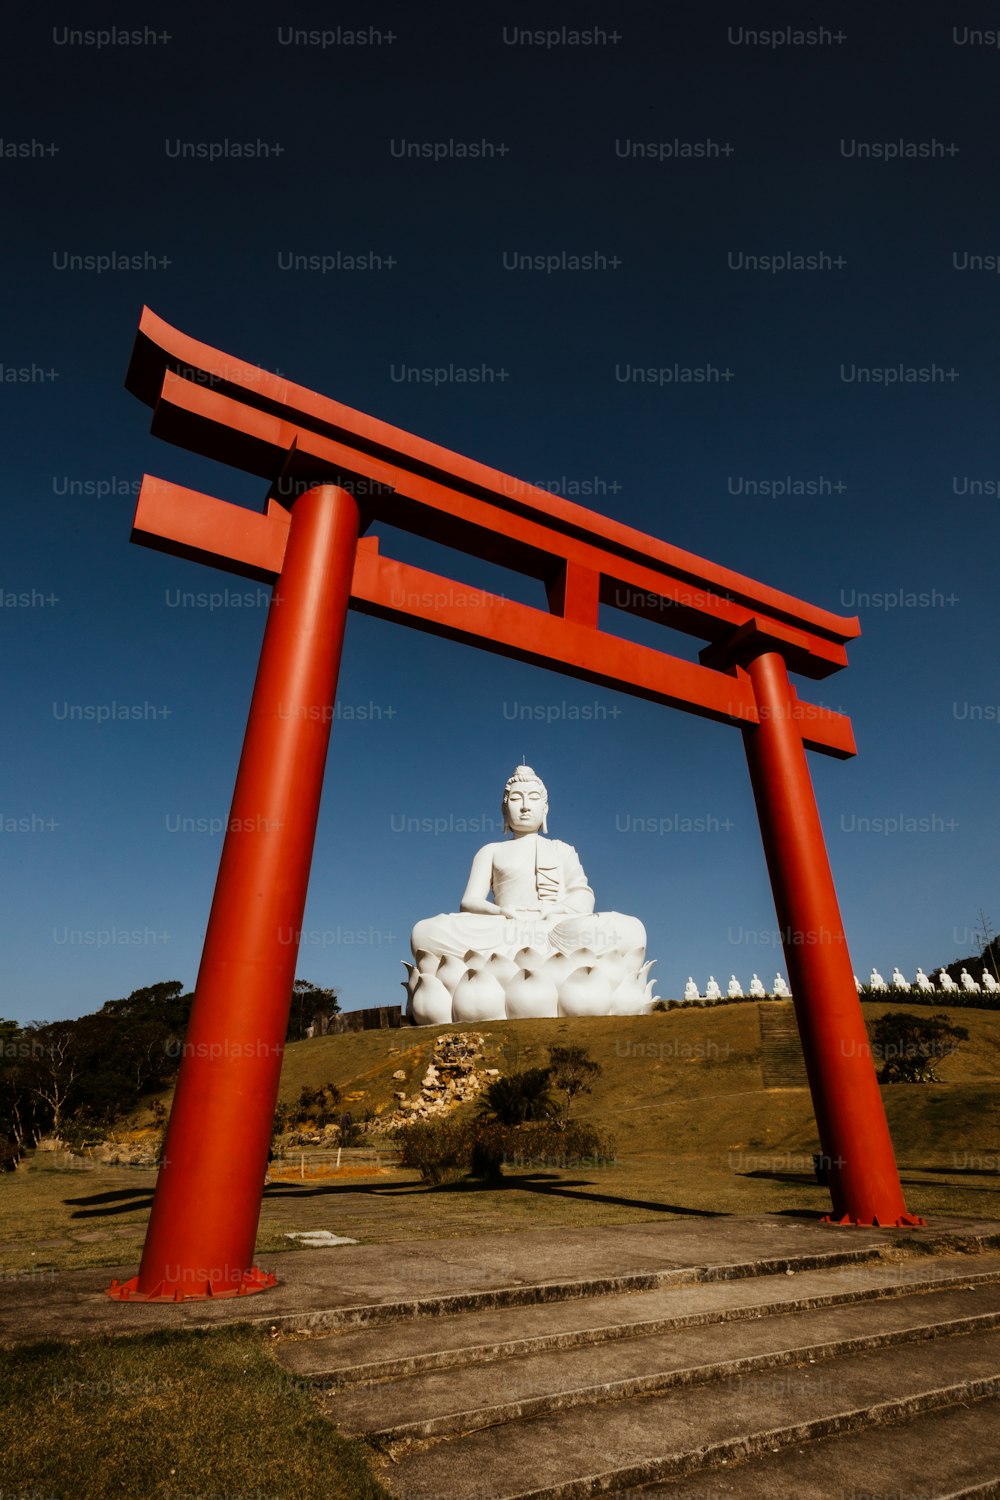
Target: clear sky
(849, 455)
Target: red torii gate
(333, 471)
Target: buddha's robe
(544, 881)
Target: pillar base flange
(905, 1221)
(254, 1280)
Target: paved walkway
(353, 1282)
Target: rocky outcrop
(454, 1076)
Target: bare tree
(55, 1069)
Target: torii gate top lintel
(228, 409)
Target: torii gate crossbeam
(332, 472)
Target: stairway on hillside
(834, 1373)
(780, 1048)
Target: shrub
(908, 1046)
(440, 1150)
(445, 1150)
(318, 1106)
(548, 1143)
(520, 1097)
(572, 1071)
(351, 1133)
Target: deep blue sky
(114, 896)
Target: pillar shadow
(535, 1182)
(123, 1201)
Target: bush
(446, 1150)
(351, 1133)
(520, 1097)
(558, 1144)
(440, 1150)
(908, 1046)
(572, 1070)
(318, 1106)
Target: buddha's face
(526, 806)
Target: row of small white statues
(945, 984)
(734, 990)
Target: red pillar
(203, 1224)
(854, 1136)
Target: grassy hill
(687, 1082)
(681, 1092)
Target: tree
(19, 1108)
(572, 1071)
(55, 1067)
(908, 1046)
(520, 1097)
(319, 1105)
(311, 1006)
(988, 946)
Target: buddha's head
(525, 803)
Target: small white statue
(734, 989)
(989, 983)
(923, 983)
(899, 982)
(781, 990)
(691, 990)
(857, 984)
(712, 991)
(757, 989)
(876, 982)
(969, 984)
(947, 983)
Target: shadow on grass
(530, 1182)
(122, 1201)
(953, 1171)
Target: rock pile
(452, 1078)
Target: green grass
(169, 1415)
(681, 1093)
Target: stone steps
(531, 1293)
(782, 1065)
(615, 1389)
(955, 1457)
(440, 1403)
(409, 1346)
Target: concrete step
(414, 1346)
(445, 1402)
(529, 1292)
(623, 1444)
(948, 1454)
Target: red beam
(160, 348)
(441, 606)
(201, 528)
(213, 423)
(189, 524)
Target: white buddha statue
(923, 983)
(537, 948)
(757, 988)
(781, 990)
(899, 980)
(970, 985)
(946, 983)
(877, 983)
(691, 989)
(734, 989)
(712, 991)
(989, 983)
